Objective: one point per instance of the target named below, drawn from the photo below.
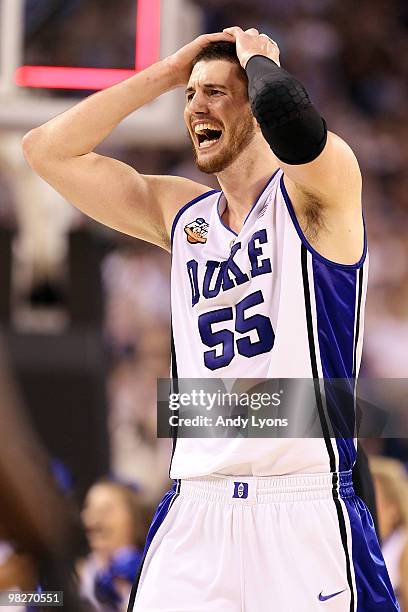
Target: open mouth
(207, 135)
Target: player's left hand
(251, 42)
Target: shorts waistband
(256, 489)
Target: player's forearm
(80, 129)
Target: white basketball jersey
(260, 304)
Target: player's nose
(198, 103)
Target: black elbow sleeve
(290, 124)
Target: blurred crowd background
(85, 310)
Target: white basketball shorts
(298, 543)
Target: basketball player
(268, 279)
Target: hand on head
(251, 42)
(248, 43)
(180, 63)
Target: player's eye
(214, 92)
(189, 96)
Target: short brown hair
(221, 50)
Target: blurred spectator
(391, 484)
(115, 521)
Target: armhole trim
(307, 244)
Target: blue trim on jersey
(307, 244)
(183, 208)
(374, 590)
(335, 297)
(252, 207)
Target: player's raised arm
(314, 159)
(61, 152)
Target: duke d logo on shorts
(240, 490)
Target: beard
(241, 135)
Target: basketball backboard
(161, 27)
